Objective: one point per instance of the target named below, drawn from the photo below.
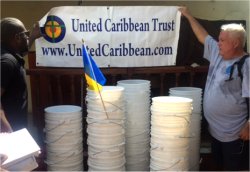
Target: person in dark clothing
(15, 42)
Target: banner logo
(54, 29)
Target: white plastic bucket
(136, 123)
(173, 165)
(137, 138)
(144, 162)
(105, 106)
(171, 134)
(135, 105)
(104, 110)
(94, 167)
(112, 93)
(103, 148)
(71, 157)
(137, 112)
(114, 122)
(135, 97)
(76, 166)
(134, 83)
(94, 99)
(63, 112)
(141, 166)
(99, 139)
(118, 114)
(171, 100)
(62, 149)
(108, 160)
(60, 127)
(174, 120)
(168, 155)
(137, 157)
(178, 131)
(188, 90)
(139, 148)
(106, 129)
(63, 137)
(170, 110)
(137, 131)
(174, 143)
(103, 153)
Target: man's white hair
(237, 31)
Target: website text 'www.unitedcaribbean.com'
(105, 50)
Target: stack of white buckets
(137, 125)
(170, 133)
(63, 129)
(195, 124)
(106, 134)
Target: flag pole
(102, 101)
(97, 86)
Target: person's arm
(198, 30)
(3, 158)
(4, 124)
(244, 133)
(35, 33)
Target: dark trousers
(231, 156)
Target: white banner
(117, 36)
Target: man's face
(23, 41)
(226, 45)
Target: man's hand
(35, 33)
(244, 133)
(184, 11)
(2, 159)
(4, 124)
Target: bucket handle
(105, 119)
(56, 162)
(105, 111)
(112, 146)
(74, 152)
(104, 151)
(98, 122)
(155, 147)
(58, 125)
(118, 107)
(76, 142)
(145, 131)
(186, 137)
(51, 129)
(188, 121)
(68, 132)
(167, 168)
(96, 98)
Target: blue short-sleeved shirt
(224, 102)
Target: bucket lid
(171, 99)
(63, 109)
(133, 82)
(186, 89)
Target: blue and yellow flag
(94, 77)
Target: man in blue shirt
(225, 104)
